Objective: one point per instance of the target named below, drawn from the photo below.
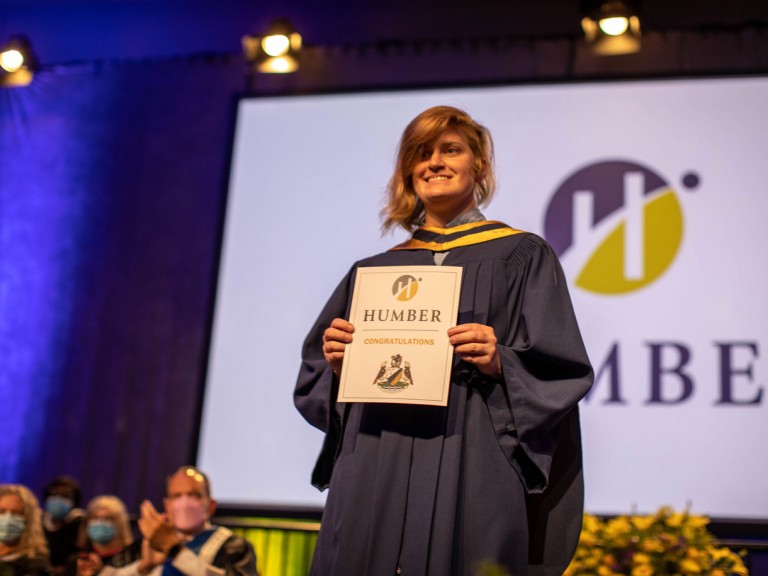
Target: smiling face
(444, 178)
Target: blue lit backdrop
(111, 190)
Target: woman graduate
(495, 477)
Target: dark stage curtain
(112, 186)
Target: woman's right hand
(335, 339)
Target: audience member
(62, 519)
(105, 541)
(23, 550)
(182, 541)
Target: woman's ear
(481, 169)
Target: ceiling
(63, 31)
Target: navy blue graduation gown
(496, 475)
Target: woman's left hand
(476, 344)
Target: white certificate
(400, 351)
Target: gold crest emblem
(394, 375)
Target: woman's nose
(436, 160)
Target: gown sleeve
(317, 385)
(545, 366)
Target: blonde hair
(403, 207)
(32, 542)
(116, 508)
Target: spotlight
(17, 63)
(277, 51)
(612, 28)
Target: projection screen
(653, 194)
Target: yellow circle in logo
(617, 225)
(606, 270)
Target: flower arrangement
(663, 544)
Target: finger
(343, 325)
(147, 509)
(477, 359)
(147, 518)
(143, 528)
(470, 326)
(484, 338)
(465, 338)
(336, 335)
(147, 526)
(334, 346)
(334, 358)
(153, 512)
(151, 507)
(476, 354)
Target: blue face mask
(11, 527)
(101, 531)
(58, 506)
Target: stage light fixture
(277, 51)
(17, 63)
(612, 28)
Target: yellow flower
(689, 566)
(721, 554)
(643, 570)
(643, 522)
(738, 566)
(667, 538)
(676, 520)
(587, 539)
(618, 528)
(692, 553)
(675, 540)
(698, 521)
(651, 545)
(591, 523)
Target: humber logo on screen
(620, 221)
